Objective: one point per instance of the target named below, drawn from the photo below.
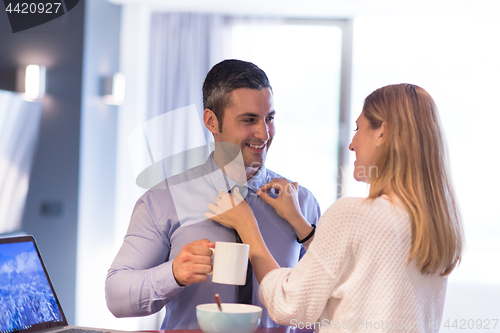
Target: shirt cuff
(163, 281)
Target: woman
(377, 263)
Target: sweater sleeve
(301, 294)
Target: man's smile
(256, 146)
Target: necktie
(245, 291)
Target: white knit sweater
(355, 277)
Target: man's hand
(193, 263)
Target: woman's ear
(381, 134)
(211, 121)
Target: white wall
(97, 163)
(456, 59)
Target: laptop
(28, 301)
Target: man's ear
(211, 121)
(381, 134)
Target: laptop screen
(27, 299)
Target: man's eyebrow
(247, 114)
(251, 114)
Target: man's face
(248, 122)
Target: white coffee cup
(230, 263)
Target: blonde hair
(412, 163)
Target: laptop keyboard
(80, 330)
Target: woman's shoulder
(357, 209)
(359, 204)
(364, 223)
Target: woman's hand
(287, 202)
(287, 205)
(232, 211)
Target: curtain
(19, 127)
(183, 48)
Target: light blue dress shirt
(140, 281)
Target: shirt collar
(223, 182)
(258, 180)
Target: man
(165, 257)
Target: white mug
(230, 263)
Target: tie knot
(243, 190)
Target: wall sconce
(31, 82)
(113, 89)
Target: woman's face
(365, 144)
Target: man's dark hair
(227, 76)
